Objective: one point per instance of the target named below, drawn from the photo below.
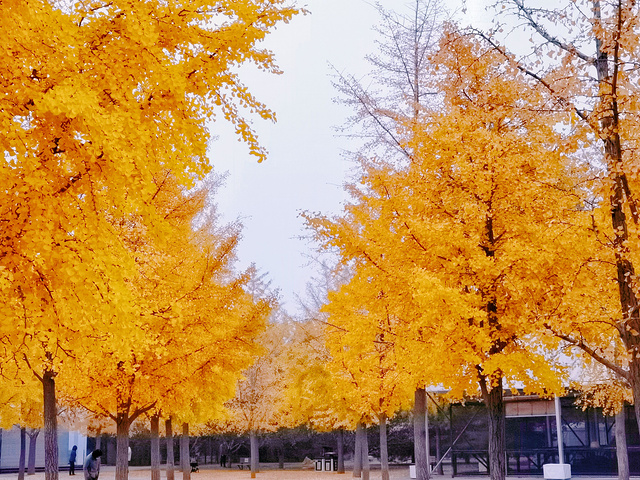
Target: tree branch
(567, 47)
(562, 100)
(580, 343)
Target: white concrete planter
(557, 471)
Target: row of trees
(493, 222)
(117, 287)
(492, 232)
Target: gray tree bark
(494, 402)
(155, 447)
(122, 445)
(621, 446)
(357, 452)
(185, 459)
(365, 454)
(340, 441)
(170, 454)
(23, 451)
(255, 452)
(31, 463)
(419, 434)
(50, 425)
(384, 451)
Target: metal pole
(559, 430)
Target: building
(531, 438)
(10, 449)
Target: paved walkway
(269, 472)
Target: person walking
(72, 460)
(92, 465)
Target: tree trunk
(155, 447)
(365, 454)
(31, 464)
(170, 454)
(419, 434)
(438, 451)
(621, 446)
(384, 452)
(255, 460)
(98, 446)
(357, 452)
(340, 449)
(185, 459)
(610, 134)
(281, 455)
(23, 451)
(494, 402)
(634, 369)
(50, 426)
(122, 444)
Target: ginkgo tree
(360, 339)
(194, 324)
(483, 224)
(589, 69)
(97, 100)
(259, 405)
(375, 359)
(312, 394)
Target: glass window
(525, 433)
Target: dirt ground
(268, 472)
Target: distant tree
(21, 405)
(314, 397)
(397, 89)
(258, 405)
(360, 336)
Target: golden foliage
(193, 322)
(464, 255)
(98, 103)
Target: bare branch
(592, 352)
(525, 13)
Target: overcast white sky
(305, 169)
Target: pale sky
(306, 168)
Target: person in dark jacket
(72, 460)
(92, 465)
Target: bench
(244, 462)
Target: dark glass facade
(531, 439)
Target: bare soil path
(268, 472)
